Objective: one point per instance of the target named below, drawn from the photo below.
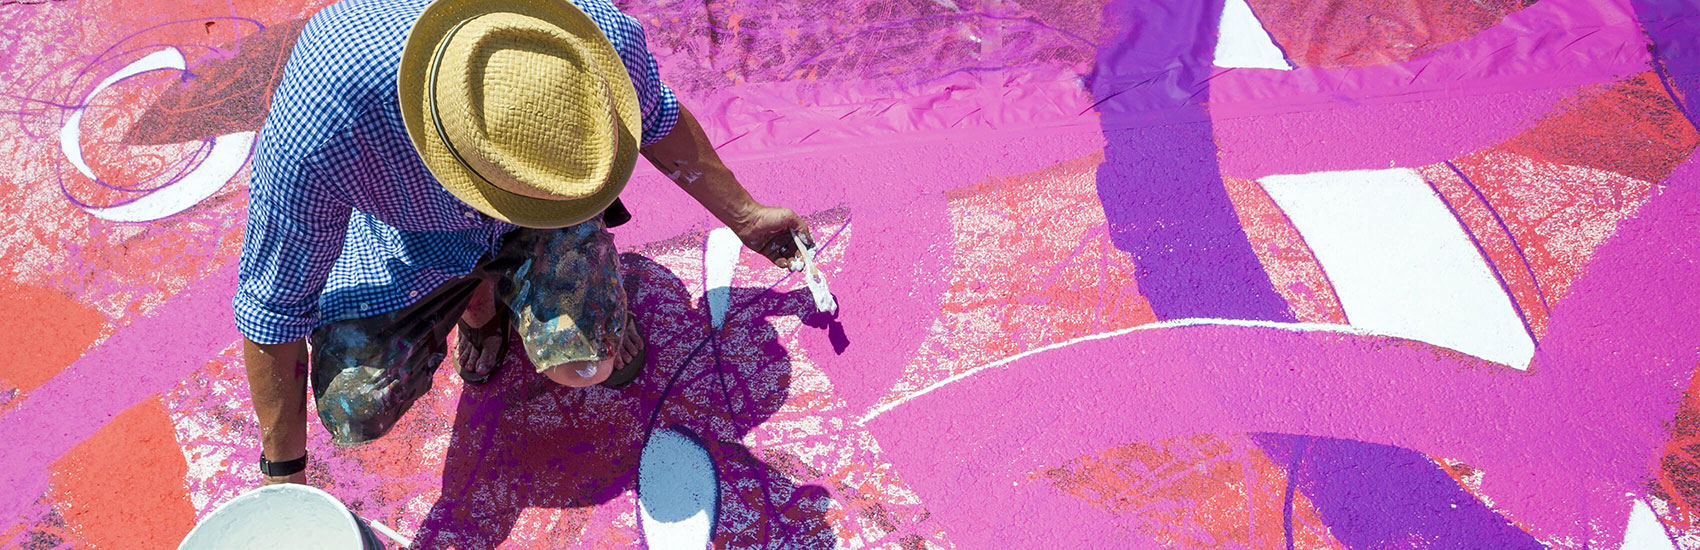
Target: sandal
(627, 373)
(472, 336)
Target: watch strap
(280, 469)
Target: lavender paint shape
(1166, 204)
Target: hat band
(436, 117)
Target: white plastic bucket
(281, 517)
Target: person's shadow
(520, 441)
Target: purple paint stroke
(1663, 73)
(199, 155)
(194, 160)
(1377, 474)
(82, 99)
(1292, 489)
(1160, 187)
(1487, 262)
(1165, 204)
(1673, 27)
(1163, 195)
(27, 99)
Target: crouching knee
(580, 374)
(356, 418)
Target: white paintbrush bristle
(824, 301)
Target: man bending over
(427, 165)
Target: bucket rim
(349, 518)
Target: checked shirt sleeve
(297, 217)
(294, 235)
(660, 106)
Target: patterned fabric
(562, 286)
(344, 220)
(564, 289)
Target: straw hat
(520, 108)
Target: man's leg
(563, 287)
(582, 374)
(367, 372)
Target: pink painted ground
(1008, 368)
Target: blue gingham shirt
(344, 220)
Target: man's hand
(767, 230)
(297, 477)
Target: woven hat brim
(422, 41)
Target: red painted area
(1030, 269)
(1204, 491)
(1632, 127)
(1561, 201)
(1502, 252)
(123, 486)
(1344, 33)
(1678, 476)
(45, 331)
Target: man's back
(345, 220)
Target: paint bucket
(282, 517)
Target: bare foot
(630, 356)
(632, 343)
(482, 336)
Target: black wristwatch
(280, 469)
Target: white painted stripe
(229, 153)
(1644, 531)
(678, 492)
(72, 132)
(719, 258)
(1401, 263)
(1241, 41)
(1292, 327)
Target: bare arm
(277, 380)
(687, 157)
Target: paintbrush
(824, 301)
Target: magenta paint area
(1071, 313)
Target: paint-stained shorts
(561, 285)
